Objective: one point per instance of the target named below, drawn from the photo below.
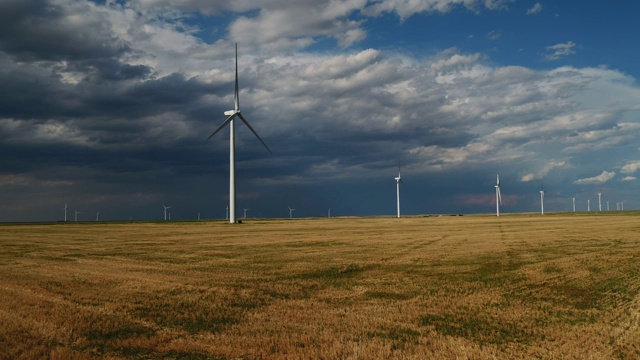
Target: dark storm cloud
(56, 31)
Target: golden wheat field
(471, 287)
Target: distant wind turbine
(398, 181)
(245, 213)
(165, 211)
(498, 196)
(65, 212)
(600, 201)
(98, 216)
(291, 212)
(542, 200)
(232, 148)
(588, 204)
(607, 205)
(574, 204)
(76, 216)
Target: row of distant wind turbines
(76, 212)
(620, 204)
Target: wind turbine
(542, 200)
(76, 217)
(574, 204)
(65, 212)
(398, 181)
(607, 205)
(98, 216)
(600, 201)
(291, 212)
(245, 213)
(588, 204)
(498, 196)
(165, 211)
(232, 146)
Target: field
(472, 287)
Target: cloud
(544, 170)
(630, 167)
(628, 178)
(280, 27)
(600, 179)
(535, 9)
(406, 9)
(560, 50)
(494, 35)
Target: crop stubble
(561, 286)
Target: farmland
(518, 286)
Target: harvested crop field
(517, 286)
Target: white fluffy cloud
(557, 51)
(630, 167)
(535, 9)
(544, 170)
(600, 179)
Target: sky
(106, 106)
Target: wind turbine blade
(221, 126)
(254, 132)
(237, 94)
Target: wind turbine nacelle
(230, 112)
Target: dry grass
(563, 286)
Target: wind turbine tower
(542, 200)
(76, 213)
(231, 115)
(165, 211)
(498, 196)
(588, 204)
(600, 201)
(65, 212)
(245, 213)
(607, 205)
(398, 181)
(98, 216)
(291, 212)
(574, 204)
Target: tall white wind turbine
(588, 204)
(165, 211)
(291, 212)
(498, 195)
(600, 201)
(574, 204)
(231, 115)
(542, 200)
(398, 181)
(65, 212)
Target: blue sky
(106, 106)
